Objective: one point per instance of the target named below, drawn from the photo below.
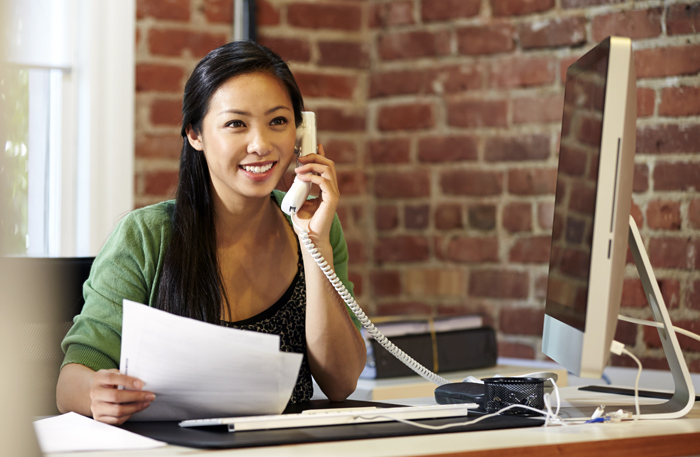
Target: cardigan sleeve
(127, 267)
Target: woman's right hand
(112, 405)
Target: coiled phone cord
(364, 320)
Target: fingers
(115, 397)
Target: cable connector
(618, 416)
(616, 347)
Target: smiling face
(247, 137)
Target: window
(68, 94)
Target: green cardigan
(129, 266)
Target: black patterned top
(287, 318)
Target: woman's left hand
(316, 215)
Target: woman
(223, 252)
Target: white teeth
(262, 169)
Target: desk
(680, 437)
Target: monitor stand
(683, 397)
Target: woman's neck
(245, 221)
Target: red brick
(385, 283)
(683, 19)
(351, 182)
(646, 99)
(414, 116)
(343, 54)
(158, 146)
(664, 215)
(671, 292)
(636, 24)
(177, 42)
(626, 333)
(487, 39)
(562, 31)
(340, 151)
(586, 3)
(482, 217)
(440, 149)
(668, 61)
(290, 49)
(448, 216)
(531, 250)
(453, 79)
(402, 248)
(324, 85)
(448, 10)
(174, 10)
(517, 217)
(679, 253)
(161, 183)
(692, 299)
(218, 11)
(545, 215)
(471, 182)
(408, 184)
(694, 215)
(166, 112)
(541, 287)
(515, 350)
(416, 217)
(651, 336)
(396, 83)
(357, 282)
(633, 295)
(519, 7)
(266, 13)
(404, 308)
(356, 252)
(532, 181)
(668, 138)
(411, 45)
(680, 101)
(521, 321)
(389, 151)
(518, 148)
(499, 284)
(325, 16)
(641, 178)
(391, 14)
(386, 217)
(471, 249)
(339, 120)
(159, 78)
(477, 113)
(538, 110)
(676, 176)
(522, 72)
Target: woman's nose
(260, 143)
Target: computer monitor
(592, 221)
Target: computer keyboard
(317, 418)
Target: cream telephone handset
(306, 144)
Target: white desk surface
(679, 437)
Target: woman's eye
(279, 121)
(236, 124)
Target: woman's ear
(194, 138)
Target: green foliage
(14, 112)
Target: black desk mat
(220, 438)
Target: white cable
(636, 381)
(682, 331)
(364, 320)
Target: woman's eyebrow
(246, 113)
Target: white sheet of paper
(199, 370)
(72, 432)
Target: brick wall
(443, 119)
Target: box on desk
(441, 345)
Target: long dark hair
(190, 283)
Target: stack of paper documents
(199, 370)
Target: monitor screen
(592, 207)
